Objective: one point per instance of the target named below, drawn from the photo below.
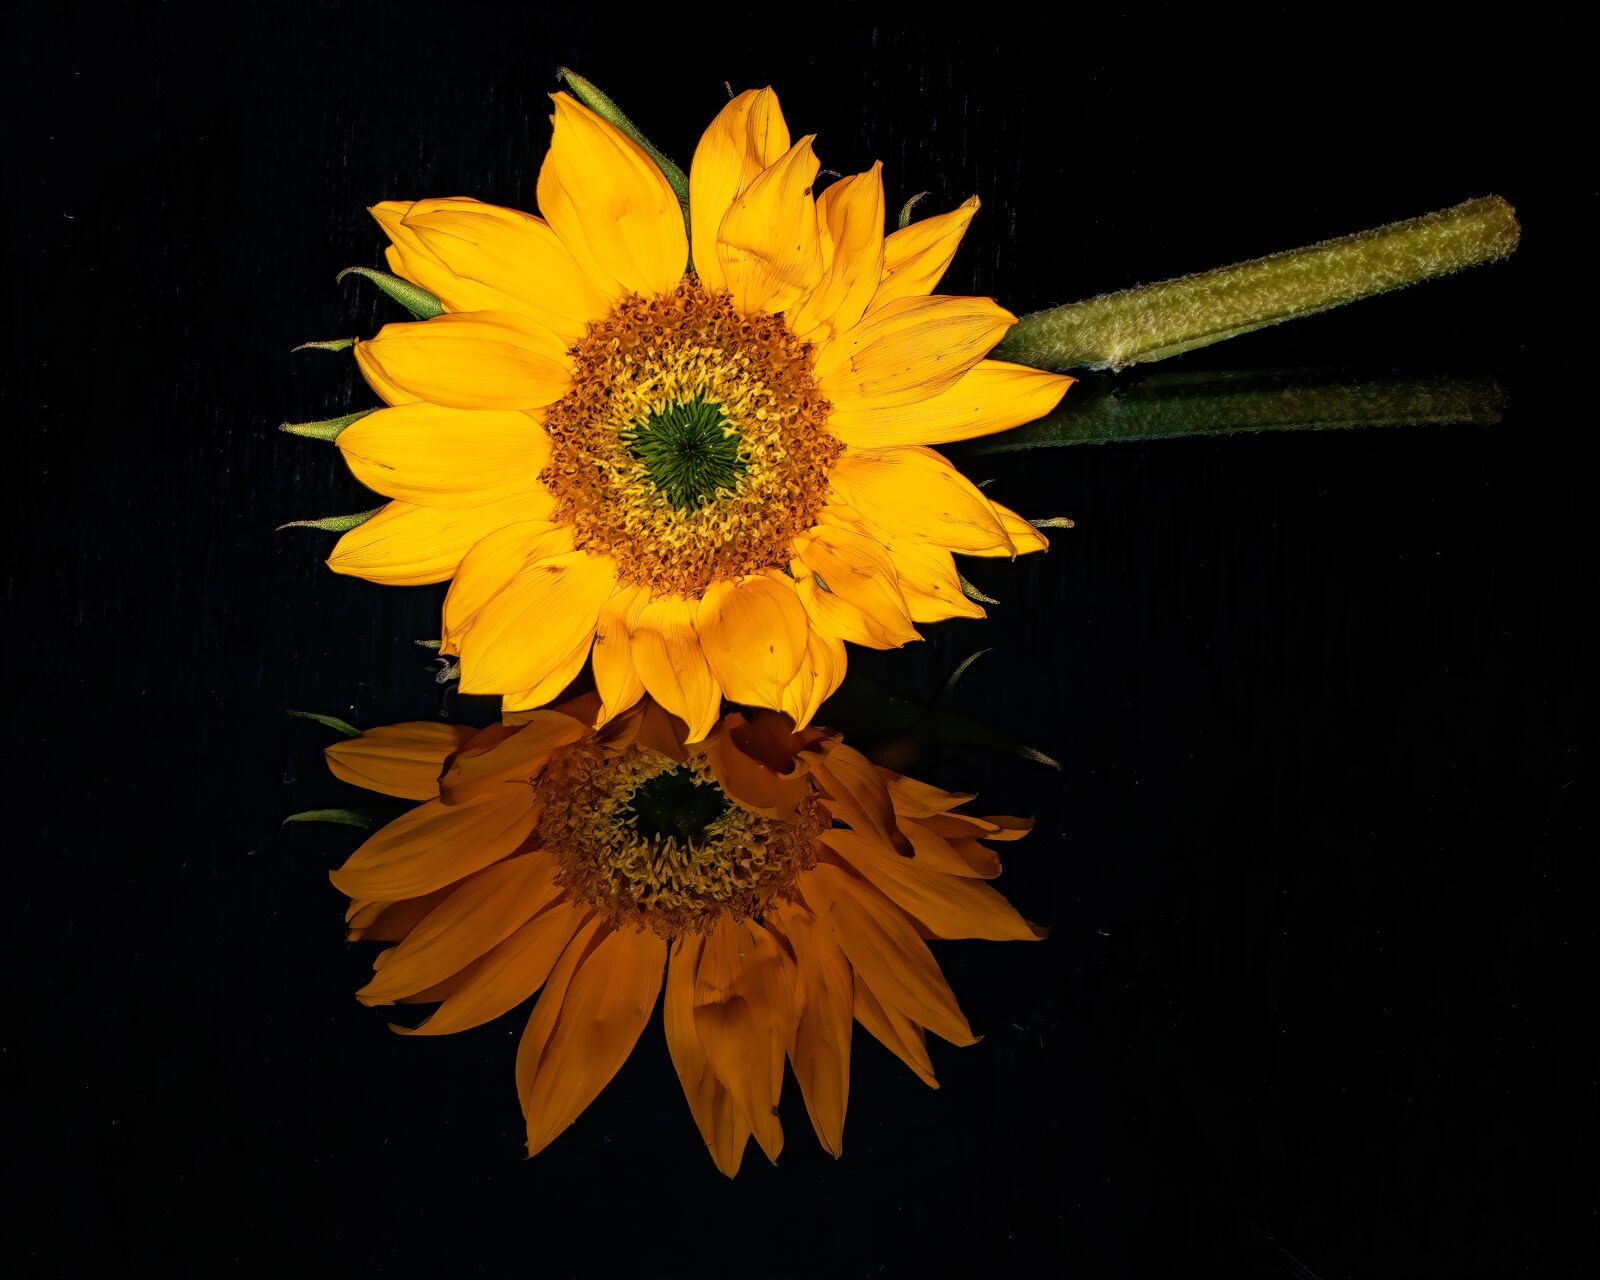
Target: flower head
(709, 476)
(779, 886)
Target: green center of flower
(689, 450)
(675, 806)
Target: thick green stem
(1155, 321)
(1165, 405)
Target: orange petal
(603, 1010)
(857, 792)
(408, 546)
(768, 244)
(884, 948)
(398, 759)
(503, 978)
(991, 396)
(471, 360)
(950, 906)
(821, 1052)
(913, 493)
(506, 765)
(611, 205)
(851, 212)
(531, 626)
(391, 921)
(744, 1017)
(715, 1113)
(481, 913)
(916, 257)
(963, 856)
(748, 135)
(753, 782)
(909, 350)
(896, 1032)
(672, 665)
(849, 587)
(914, 799)
(753, 633)
(432, 846)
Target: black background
(1310, 860)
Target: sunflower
(778, 885)
(710, 476)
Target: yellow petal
(616, 679)
(672, 665)
(496, 764)
(489, 567)
(825, 988)
(848, 586)
(406, 545)
(398, 759)
(747, 135)
(715, 1113)
(471, 360)
(531, 627)
(991, 396)
(753, 633)
(852, 212)
(915, 257)
(747, 758)
(611, 206)
(744, 1016)
(929, 582)
(437, 457)
(820, 674)
(432, 846)
(909, 350)
(856, 791)
(513, 706)
(1024, 537)
(481, 257)
(603, 1009)
(480, 914)
(768, 244)
(913, 493)
(508, 974)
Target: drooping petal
(884, 948)
(437, 457)
(917, 256)
(819, 675)
(849, 587)
(851, 211)
(753, 782)
(748, 135)
(958, 857)
(390, 921)
(482, 257)
(753, 633)
(507, 975)
(950, 906)
(531, 626)
(908, 351)
(603, 1010)
(914, 799)
(616, 679)
(398, 759)
(432, 846)
(672, 665)
(929, 582)
(914, 493)
(896, 1032)
(507, 763)
(991, 396)
(611, 206)
(717, 1116)
(856, 792)
(768, 243)
(481, 913)
(405, 545)
(492, 563)
(471, 360)
(825, 987)
(744, 1016)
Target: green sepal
(332, 344)
(333, 722)
(1055, 522)
(907, 207)
(364, 818)
(973, 593)
(327, 429)
(419, 302)
(333, 524)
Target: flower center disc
(693, 445)
(659, 845)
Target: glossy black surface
(1312, 855)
